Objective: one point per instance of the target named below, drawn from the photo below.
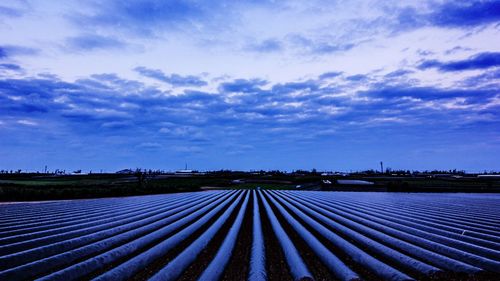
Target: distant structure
(354, 182)
(125, 171)
(381, 167)
(334, 174)
(185, 171)
(489, 176)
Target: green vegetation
(21, 187)
(89, 186)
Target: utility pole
(381, 167)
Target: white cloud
(26, 122)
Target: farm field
(37, 187)
(254, 235)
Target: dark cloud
(10, 66)
(173, 79)
(119, 113)
(113, 103)
(21, 97)
(449, 14)
(487, 79)
(427, 93)
(466, 13)
(14, 50)
(3, 53)
(408, 18)
(357, 77)
(479, 61)
(327, 75)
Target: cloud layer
(250, 84)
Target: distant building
(187, 172)
(125, 172)
(489, 176)
(184, 171)
(446, 176)
(354, 182)
(334, 174)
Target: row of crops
(254, 235)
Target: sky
(250, 85)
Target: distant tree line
(387, 171)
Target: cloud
(90, 42)
(426, 93)
(261, 102)
(10, 12)
(408, 18)
(155, 18)
(456, 49)
(14, 50)
(266, 46)
(27, 122)
(357, 77)
(326, 48)
(242, 86)
(478, 61)
(112, 103)
(303, 87)
(398, 73)
(173, 79)
(487, 79)
(446, 14)
(328, 75)
(10, 66)
(320, 46)
(466, 13)
(190, 80)
(143, 18)
(121, 114)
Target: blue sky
(331, 85)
